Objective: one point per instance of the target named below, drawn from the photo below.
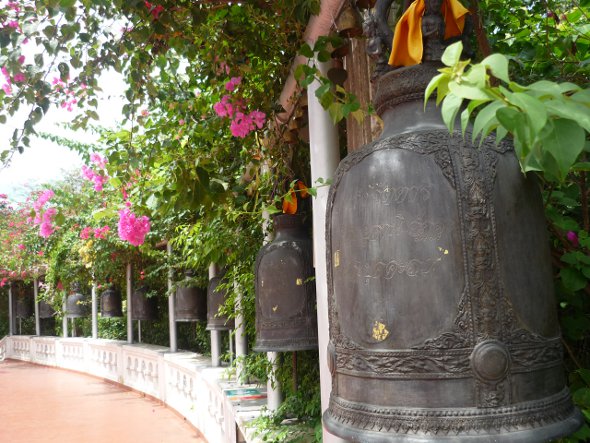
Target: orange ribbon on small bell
(290, 204)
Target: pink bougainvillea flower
(7, 88)
(3, 196)
(98, 160)
(85, 233)
(46, 228)
(259, 118)
(224, 108)
(43, 198)
(19, 77)
(233, 83)
(3, 282)
(13, 24)
(132, 228)
(572, 237)
(20, 246)
(100, 233)
(241, 125)
(155, 10)
(60, 286)
(40, 253)
(181, 122)
(21, 59)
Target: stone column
(11, 328)
(325, 156)
(94, 310)
(171, 304)
(35, 295)
(129, 281)
(215, 333)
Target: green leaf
(564, 140)
(476, 76)
(468, 92)
(306, 51)
(533, 107)
(582, 397)
(452, 54)
(570, 109)
(449, 110)
(432, 85)
(572, 279)
(498, 66)
(486, 120)
(104, 213)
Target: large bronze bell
(191, 303)
(215, 299)
(24, 300)
(142, 307)
(45, 310)
(77, 304)
(285, 290)
(110, 302)
(443, 324)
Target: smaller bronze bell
(191, 303)
(77, 304)
(285, 290)
(142, 307)
(215, 299)
(45, 310)
(110, 303)
(337, 74)
(24, 301)
(349, 23)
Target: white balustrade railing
(185, 381)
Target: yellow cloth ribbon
(407, 38)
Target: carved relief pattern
(451, 421)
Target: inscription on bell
(390, 195)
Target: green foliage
(548, 121)
(339, 102)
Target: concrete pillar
(129, 281)
(215, 334)
(64, 320)
(171, 304)
(36, 295)
(325, 156)
(11, 328)
(274, 396)
(94, 310)
(241, 339)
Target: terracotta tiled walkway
(41, 404)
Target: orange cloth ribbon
(407, 38)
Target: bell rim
(547, 432)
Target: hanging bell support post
(94, 310)
(37, 318)
(129, 281)
(324, 158)
(64, 320)
(274, 396)
(139, 331)
(10, 311)
(241, 340)
(171, 304)
(215, 333)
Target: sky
(46, 161)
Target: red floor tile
(42, 404)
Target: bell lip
(218, 328)
(541, 434)
(279, 348)
(111, 315)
